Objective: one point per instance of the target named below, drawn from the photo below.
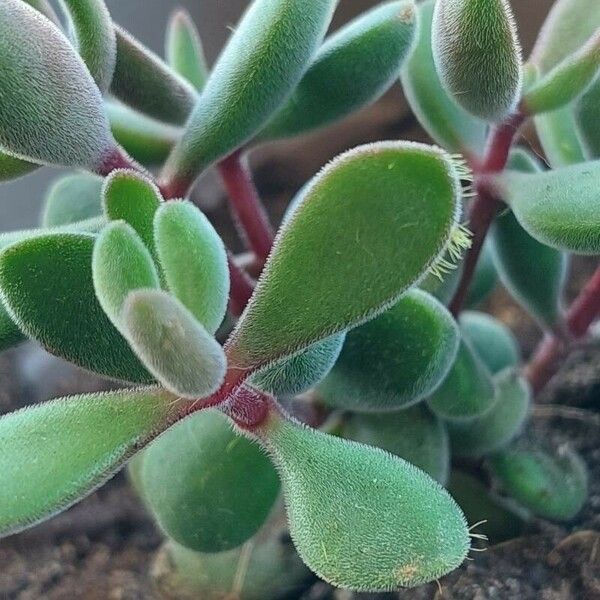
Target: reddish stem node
(249, 213)
(117, 158)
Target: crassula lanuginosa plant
(358, 306)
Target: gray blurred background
(20, 201)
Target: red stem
(548, 358)
(250, 216)
(485, 206)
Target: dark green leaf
(467, 392)
(498, 426)
(46, 282)
(396, 359)
(143, 81)
(12, 167)
(209, 489)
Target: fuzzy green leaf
(587, 117)
(396, 359)
(332, 253)
(559, 208)
(444, 120)
(10, 334)
(131, 197)
(147, 140)
(492, 341)
(538, 282)
(46, 283)
(71, 199)
(377, 524)
(467, 392)
(44, 116)
(498, 426)
(209, 489)
(261, 65)
(12, 167)
(145, 82)
(184, 50)
(172, 344)
(303, 371)
(352, 69)
(92, 28)
(54, 454)
(553, 486)
(194, 261)
(121, 264)
(415, 435)
(567, 81)
(478, 56)
(44, 7)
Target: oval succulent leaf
(145, 139)
(500, 425)
(54, 454)
(46, 284)
(478, 56)
(132, 197)
(559, 208)
(10, 334)
(145, 82)
(567, 81)
(261, 65)
(396, 359)
(209, 488)
(559, 136)
(552, 486)
(194, 261)
(303, 371)
(379, 523)
(12, 167)
(538, 282)
(71, 199)
(444, 120)
(352, 69)
(491, 340)
(184, 50)
(414, 434)
(332, 252)
(468, 390)
(172, 344)
(92, 28)
(45, 117)
(121, 264)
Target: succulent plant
(358, 309)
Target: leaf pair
(172, 334)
